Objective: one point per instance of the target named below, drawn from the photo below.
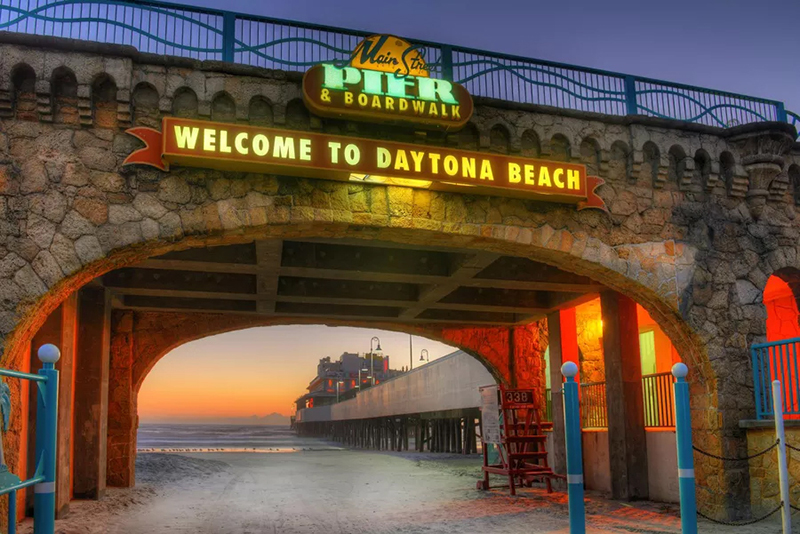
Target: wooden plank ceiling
(350, 280)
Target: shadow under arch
(687, 342)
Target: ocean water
(218, 438)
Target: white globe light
(569, 369)
(49, 353)
(679, 370)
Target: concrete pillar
(91, 398)
(122, 417)
(563, 345)
(60, 330)
(627, 441)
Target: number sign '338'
(517, 396)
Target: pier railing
(211, 34)
(659, 400)
(594, 413)
(776, 360)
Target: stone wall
(764, 486)
(693, 241)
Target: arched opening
(590, 155)
(260, 111)
(146, 108)
(104, 102)
(184, 103)
(620, 163)
(64, 91)
(560, 149)
(531, 147)
(223, 108)
(23, 83)
(297, 115)
(702, 170)
(651, 158)
(726, 168)
(677, 165)
(499, 139)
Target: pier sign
(236, 147)
(386, 80)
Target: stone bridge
(118, 265)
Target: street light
(372, 357)
(423, 356)
(359, 376)
(338, 383)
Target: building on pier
(342, 378)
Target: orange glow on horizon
(255, 372)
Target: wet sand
(342, 492)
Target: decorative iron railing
(776, 361)
(593, 405)
(659, 400)
(200, 33)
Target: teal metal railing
(44, 477)
(210, 34)
(776, 360)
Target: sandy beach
(342, 492)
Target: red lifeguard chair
(522, 444)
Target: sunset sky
(734, 45)
(257, 371)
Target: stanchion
(683, 438)
(783, 472)
(44, 500)
(572, 430)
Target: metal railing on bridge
(210, 34)
(776, 360)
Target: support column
(122, 417)
(627, 441)
(555, 335)
(60, 330)
(91, 398)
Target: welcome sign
(387, 80)
(235, 147)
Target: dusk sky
(735, 45)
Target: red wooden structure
(522, 448)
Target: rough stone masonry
(699, 218)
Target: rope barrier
(728, 459)
(740, 523)
(790, 446)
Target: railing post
(683, 438)
(572, 431)
(228, 36)
(631, 106)
(783, 473)
(780, 112)
(12, 512)
(447, 63)
(44, 502)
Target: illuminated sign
(387, 81)
(235, 147)
(388, 53)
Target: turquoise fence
(776, 361)
(44, 477)
(210, 34)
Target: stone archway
(559, 248)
